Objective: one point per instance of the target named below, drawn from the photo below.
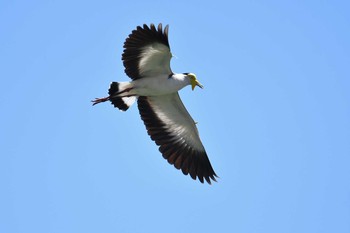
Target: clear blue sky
(274, 117)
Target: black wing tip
(153, 27)
(145, 30)
(207, 178)
(202, 171)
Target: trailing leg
(119, 95)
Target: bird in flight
(146, 59)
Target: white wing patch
(173, 113)
(129, 100)
(155, 60)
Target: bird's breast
(157, 86)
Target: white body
(159, 85)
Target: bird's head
(193, 80)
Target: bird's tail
(118, 95)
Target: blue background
(274, 117)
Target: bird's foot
(99, 100)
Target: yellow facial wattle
(194, 81)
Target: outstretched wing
(173, 129)
(147, 52)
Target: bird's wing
(174, 131)
(147, 52)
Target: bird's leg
(104, 99)
(126, 90)
(100, 100)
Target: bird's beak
(194, 83)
